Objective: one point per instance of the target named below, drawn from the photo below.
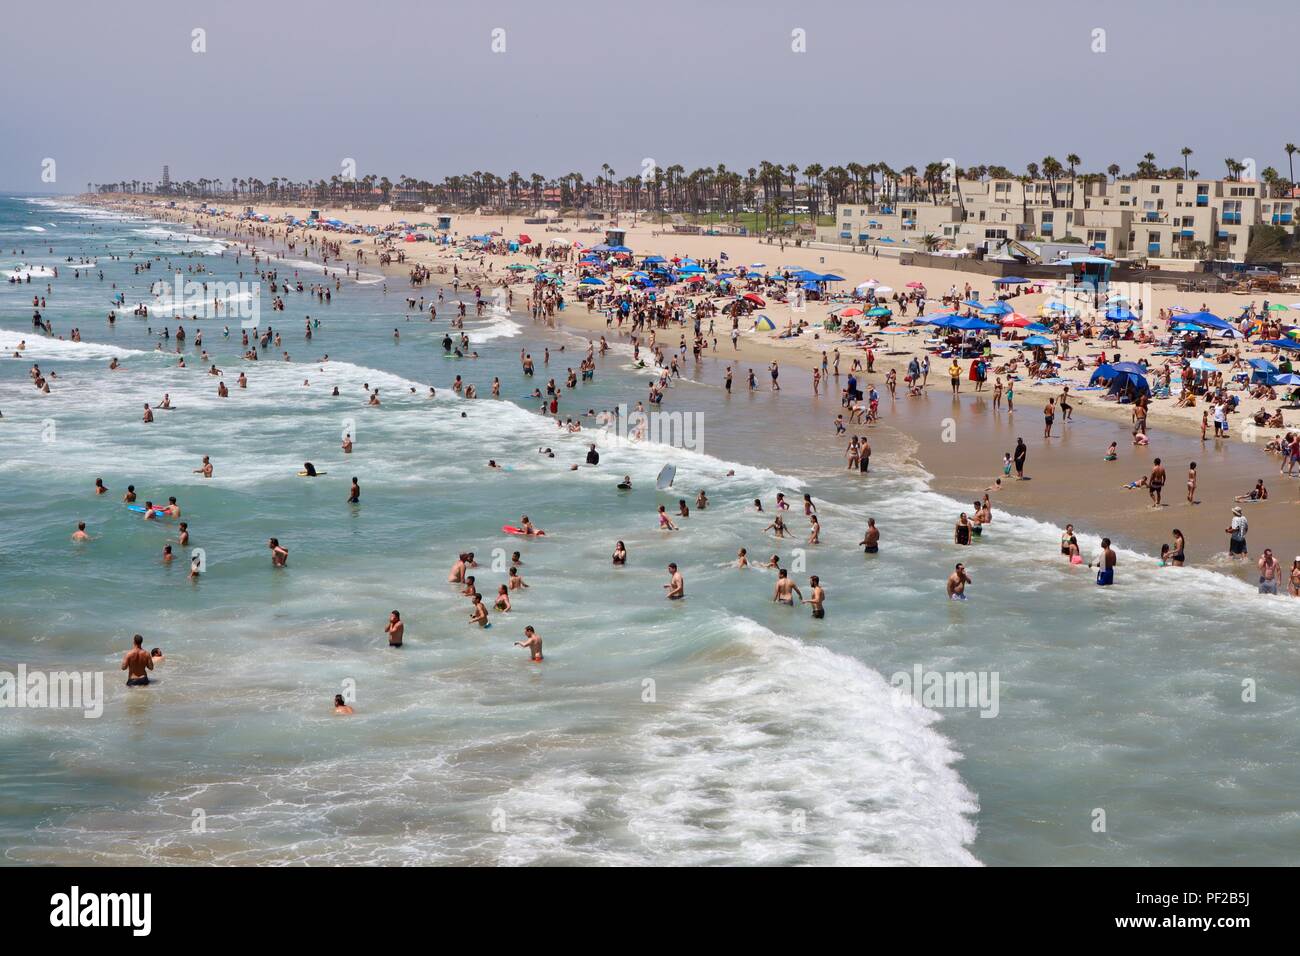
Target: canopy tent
(997, 308)
(1207, 319)
(764, 324)
(1281, 344)
(1123, 377)
(1202, 365)
(1120, 315)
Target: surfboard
(666, 476)
(303, 474)
(141, 509)
(511, 529)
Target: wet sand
(1068, 480)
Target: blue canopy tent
(650, 259)
(1281, 344)
(1261, 371)
(1120, 315)
(997, 308)
(1208, 320)
(1124, 377)
(969, 323)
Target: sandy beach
(959, 441)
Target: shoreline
(939, 432)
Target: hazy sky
(113, 91)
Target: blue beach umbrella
(591, 280)
(1119, 315)
(1039, 340)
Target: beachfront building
(1126, 218)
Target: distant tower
(167, 178)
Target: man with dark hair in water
(137, 663)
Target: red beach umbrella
(755, 298)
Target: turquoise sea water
(721, 729)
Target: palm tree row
(771, 189)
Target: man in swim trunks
(676, 586)
(532, 643)
(816, 597)
(354, 495)
(785, 589)
(957, 582)
(137, 663)
(871, 540)
(395, 628)
(205, 469)
(1155, 482)
(1105, 563)
(1269, 573)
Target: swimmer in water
(785, 589)
(676, 586)
(395, 629)
(532, 643)
(279, 553)
(80, 533)
(479, 615)
(665, 522)
(816, 597)
(871, 540)
(137, 663)
(341, 706)
(625, 484)
(620, 554)
(204, 469)
(957, 582)
(742, 558)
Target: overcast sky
(113, 91)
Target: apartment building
(1128, 218)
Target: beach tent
(1261, 371)
(1209, 320)
(1122, 376)
(971, 324)
(1281, 344)
(764, 324)
(650, 259)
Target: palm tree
(1114, 171)
(1290, 163)
(1186, 151)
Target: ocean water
(723, 729)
